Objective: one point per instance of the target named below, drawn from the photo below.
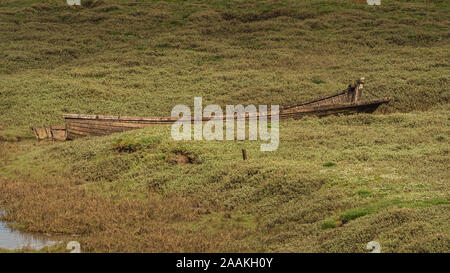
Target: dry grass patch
(113, 225)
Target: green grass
(354, 213)
(128, 144)
(317, 81)
(333, 185)
(143, 58)
(328, 224)
(287, 200)
(364, 193)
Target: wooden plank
(107, 117)
(102, 123)
(167, 119)
(87, 132)
(60, 135)
(42, 133)
(96, 131)
(71, 116)
(76, 132)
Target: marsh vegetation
(334, 183)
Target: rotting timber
(78, 125)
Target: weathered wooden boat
(344, 102)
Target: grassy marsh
(333, 185)
(388, 183)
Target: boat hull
(79, 125)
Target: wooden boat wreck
(344, 102)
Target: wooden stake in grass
(244, 154)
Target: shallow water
(13, 239)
